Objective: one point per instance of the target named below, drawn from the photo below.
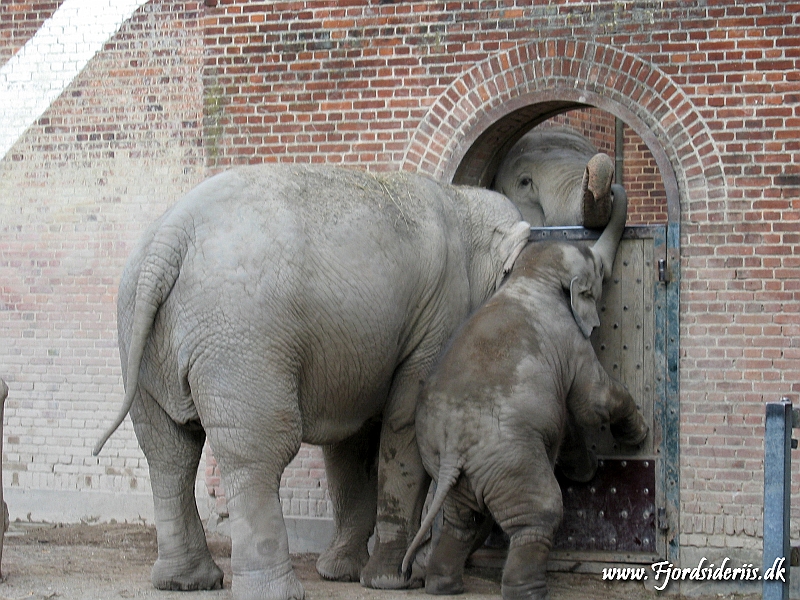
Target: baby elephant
(519, 382)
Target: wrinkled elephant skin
(556, 177)
(281, 304)
(520, 381)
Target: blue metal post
(777, 485)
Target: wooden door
(619, 516)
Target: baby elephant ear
(584, 308)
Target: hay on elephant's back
(396, 195)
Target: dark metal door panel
(615, 512)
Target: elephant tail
(157, 276)
(449, 472)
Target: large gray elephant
(280, 304)
(556, 177)
(518, 383)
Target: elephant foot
(335, 564)
(526, 594)
(631, 431)
(524, 574)
(202, 574)
(581, 471)
(444, 585)
(446, 566)
(263, 585)
(382, 571)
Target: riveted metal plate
(614, 512)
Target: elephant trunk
(595, 190)
(606, 247)
(599, 174)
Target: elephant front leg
(627, 423)
(351, 469)
(597, 399)
(402, 487)
(173, 453)
(576, 461)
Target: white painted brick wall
(43, 68)
(84, 168)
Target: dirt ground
(103, 562)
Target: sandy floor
(103, 562)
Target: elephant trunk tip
(600, 172)
(596, 186)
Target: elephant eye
(525, 182)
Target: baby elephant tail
(449, 472)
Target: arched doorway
(479, 117)
(621, 515)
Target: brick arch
(467, 130)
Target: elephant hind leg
(525, 499)
(254, 428)
(352, 470)
(462, 529)
(173, 453)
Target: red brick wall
(647, 200)
(643, 183)
(401, 84)
(595, 124)
(412, 85)
(19, 21)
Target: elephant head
(585, 269)
(556, 178)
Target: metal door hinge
(663, 273)
(661, 519)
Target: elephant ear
(511, 244)
(583, 304)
